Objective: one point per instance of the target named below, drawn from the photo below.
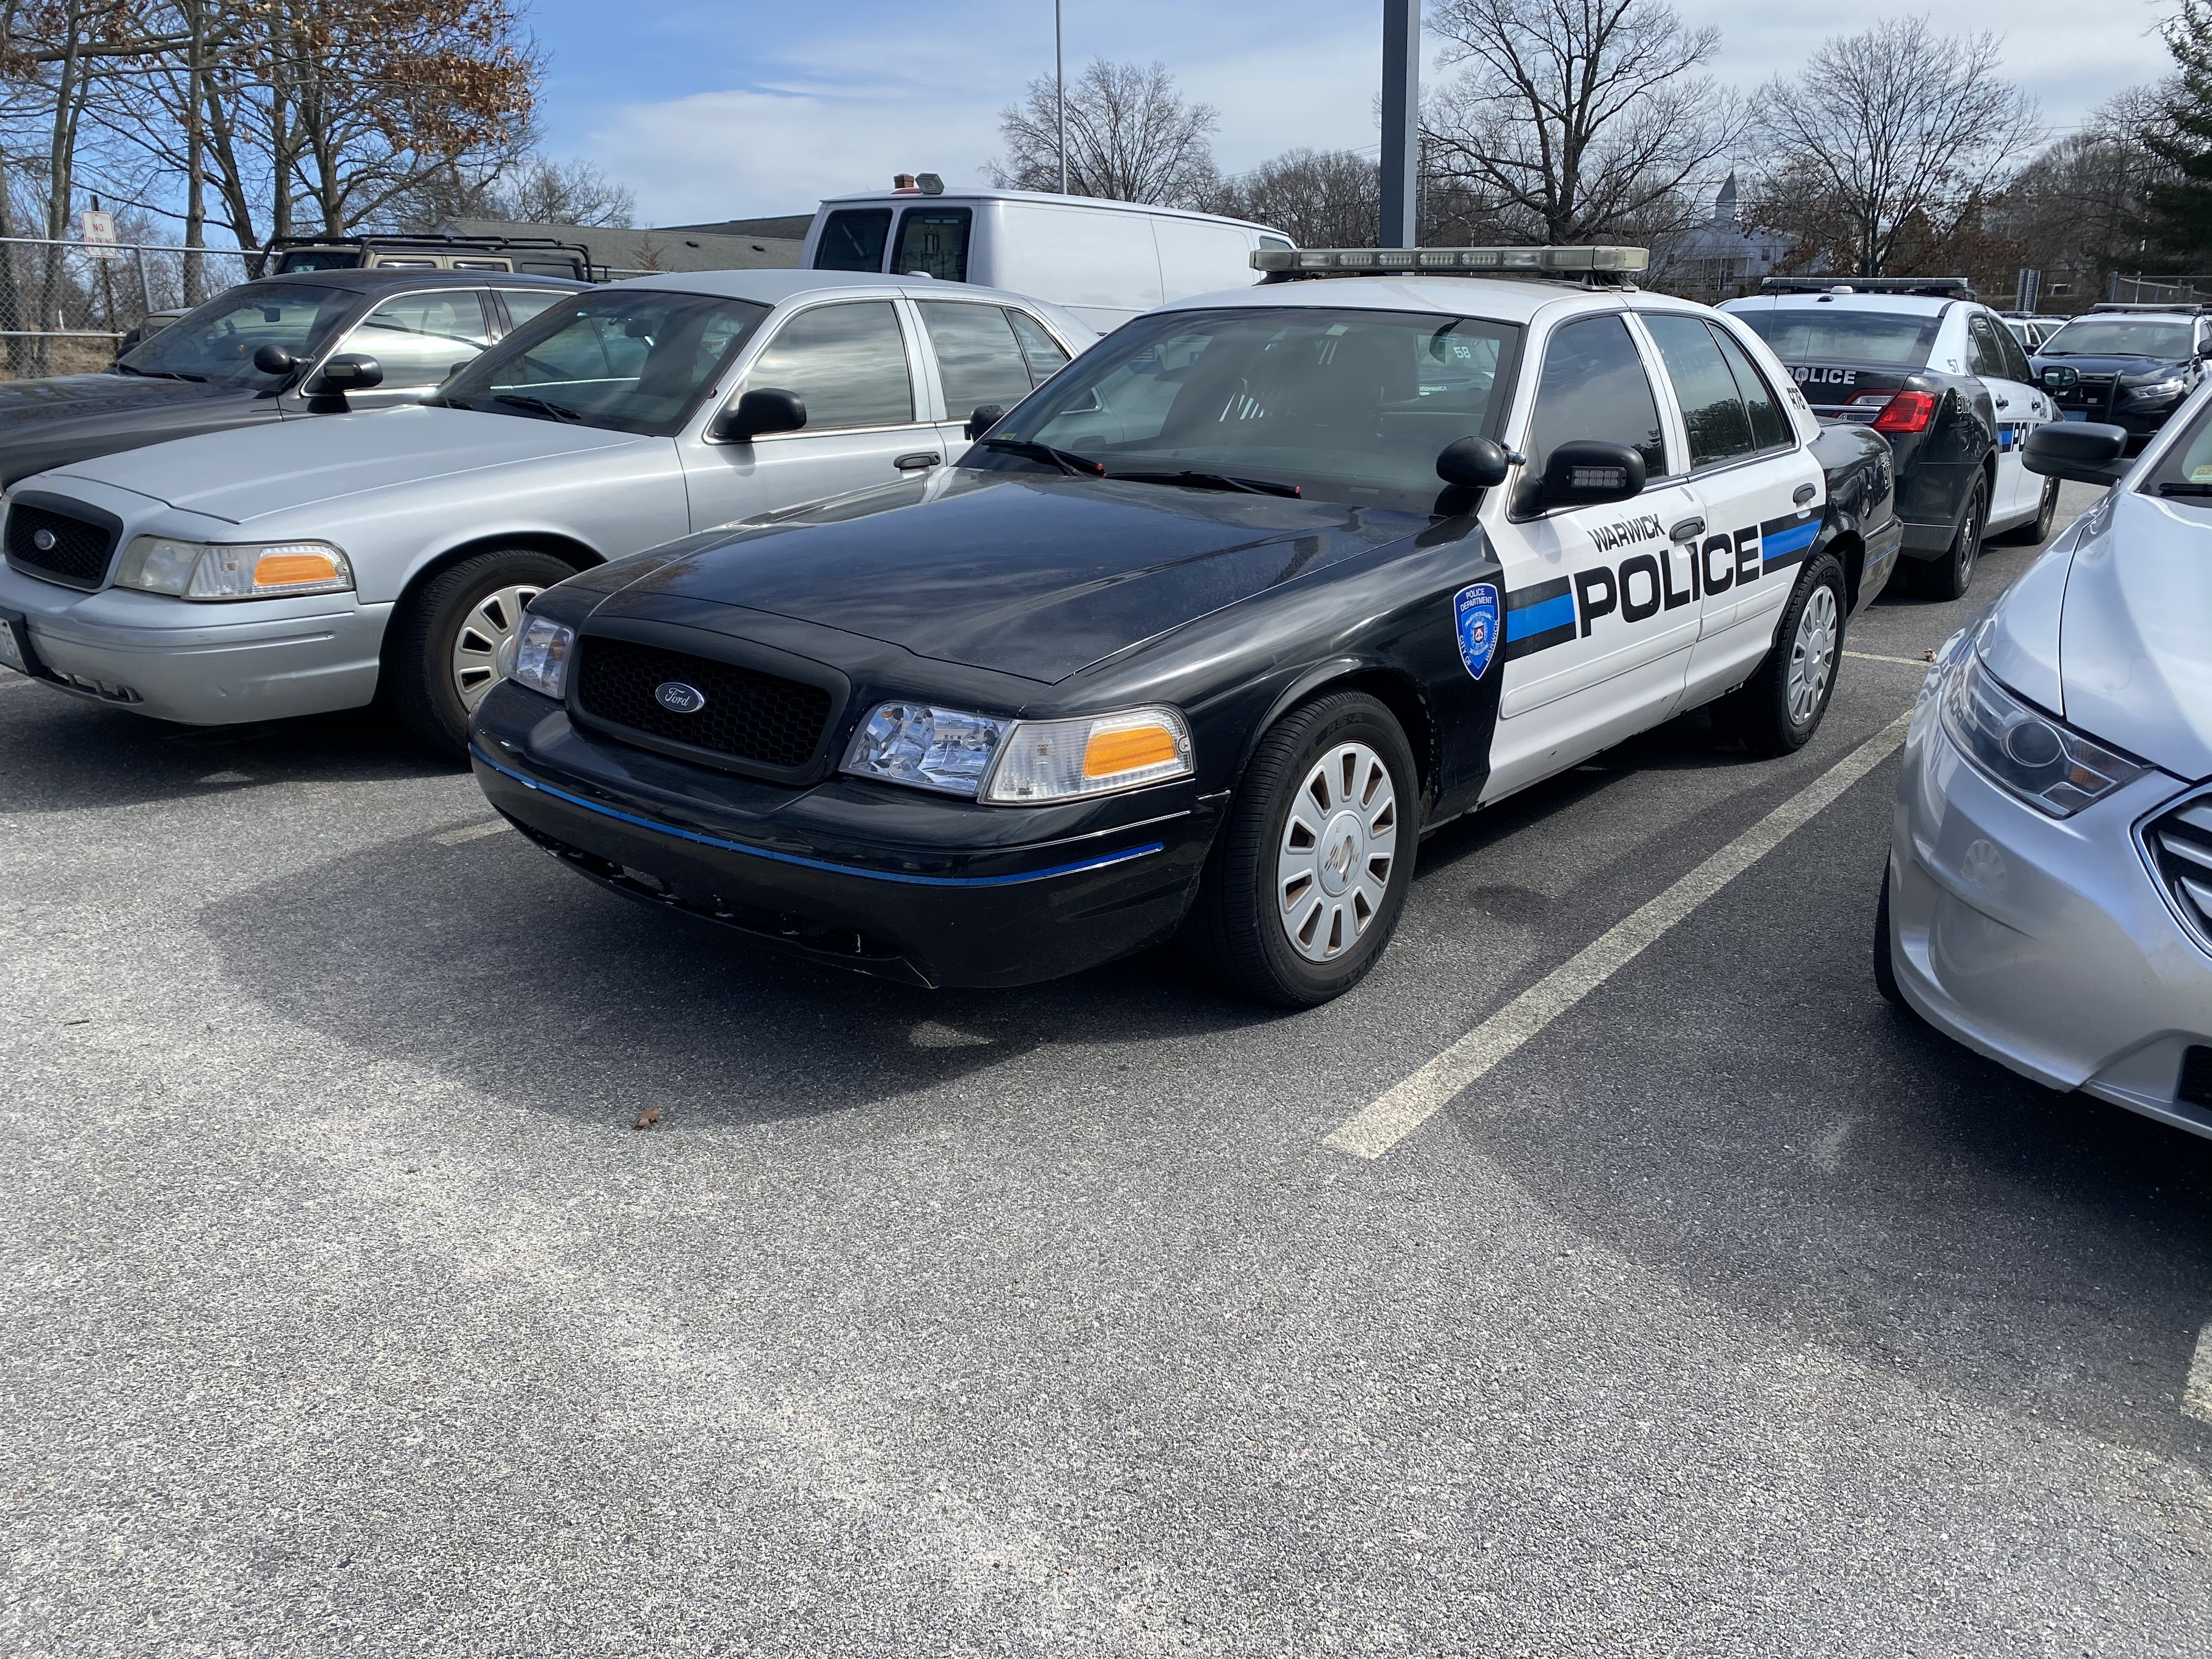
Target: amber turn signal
(1110, 753)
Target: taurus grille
(748, 715)
(80, 553)
(2180, 846)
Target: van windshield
(1351, 406)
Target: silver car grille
(2179, 845)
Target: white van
(1105, 261)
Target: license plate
(2073, 414)
(15, 643)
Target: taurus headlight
(216, 570)
(2026, 752)
(542, 651)
(930, 748)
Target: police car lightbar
(1928, 288)
(2172, 307)
(1599, 261)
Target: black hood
(41, 403)
(74, 417)
(1020, 573)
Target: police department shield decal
(1474, 611)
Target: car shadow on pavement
(58, 754)
(489, 962)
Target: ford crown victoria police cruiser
(1203, 635)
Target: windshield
(2120, 336)
(216, 343)
(635, 360)
(2187, 472)
(1816, 334)
(1345, 405)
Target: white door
(850, 364)
(1600, 612)
(2012, 401)
(1760, 492)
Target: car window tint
(2016, 363)
(418, 338)
(1769, 427)
(1594, 386)
(853, 239)
(524, 303)
(846, 362)
(1045, 359)
(1712, 406)
(1985, 356)
(1818, 333)
(934, 241)
(978, 358)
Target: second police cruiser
(1200, 637)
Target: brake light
(1902, 411)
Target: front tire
(1951, 575)
(443, 653)
(1304, 886)
(1778, 708)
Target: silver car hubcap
(1339, 847)
(488, 626)
(1813, 654)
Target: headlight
(542, 651)
(1019, 762)
(2167, 388)
(214, 570)
(2044, 762)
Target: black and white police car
(1940, 375)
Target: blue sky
(713, 111)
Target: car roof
(1494, 299)
(774, 287)
(1921, 304)
(370, 281)
(2136, 317)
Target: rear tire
(1305, 885)
(1777, 711)
(439, 657)
(2037, 530)
(1951, 575)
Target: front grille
(747, 715)
(2180, 846)
(79, 554)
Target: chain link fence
(2161, 290)
(65, 305)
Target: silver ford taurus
(311, 566)
(2049, 896)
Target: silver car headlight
(1019, 762)
(543, 650)
(2028, 753)
(218, 570)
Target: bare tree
(1130, 138)
(1318, 198)
(1574, 119)
(1895, 135)
(533, 190)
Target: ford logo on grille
(43, 540)
(678, 698)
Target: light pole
(1401, 121)
(1059, 84)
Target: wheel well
(566, 549)
(1989, 473)
(1851, 553)
(1403, 698)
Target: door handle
(1688, 531)
(1805, 493)
(911, 462)
(2003, 403)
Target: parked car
(1207, 632)
(2125, 366)
(256, 354)
(2048, 898)
(1104, 261)
(1938, 374)
(308, 565)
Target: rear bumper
(927, 889)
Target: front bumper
(2042, 943)
(203, 665)
(927, 889)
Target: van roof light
(1595, 262)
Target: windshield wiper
(556, 411)
(1076, 466)
(1210, 481)
(159, 374)
(2184, 490)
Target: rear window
(1822, 334)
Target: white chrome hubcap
(1813, 654)
(1339, 845)
(483, 630)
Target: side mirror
(2083, 451)
(350, 371)
(1474, 464)
(2059, 377)
(986, 416)
(1587, 473)
(2204, 349)
(274, 359)
(763, 409)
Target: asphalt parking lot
(1731, 1313)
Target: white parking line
(1876, 656)
(470, 832)
(2196, 1393)
(1396, 1113)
